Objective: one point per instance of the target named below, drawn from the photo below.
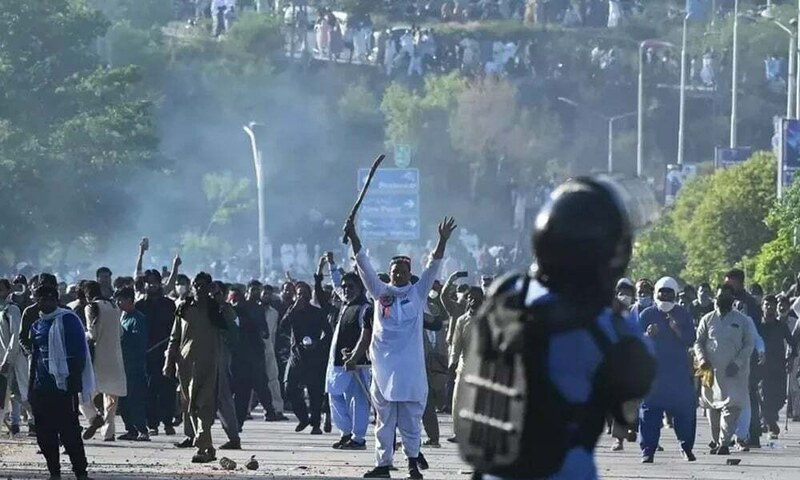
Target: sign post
(391, 208)
(789, 158)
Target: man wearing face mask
(306, 366)
(626, 292)
(723, 348)
(644, 297)
(159, 311)
(461, 342)
(772, 389)
(193, 356)
(671, 329)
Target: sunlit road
(284, 454)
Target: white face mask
(182, 290)
(665, 306)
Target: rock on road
(284, 454)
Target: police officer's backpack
(511, 420)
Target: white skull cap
(666, 282)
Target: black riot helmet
(582, 240)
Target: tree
(657, 253)
(71, 130)
(780, 257)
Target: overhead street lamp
(682, 106)
(792, 86)
(609, 119)
(250, 129)
(645, 44)
(735, 74)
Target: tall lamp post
(640, 101)
(250, 129)
(735, 73)
(608, 119)
(682, 107)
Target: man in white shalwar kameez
(400, 387)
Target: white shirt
(396, 350)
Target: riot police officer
(552, 358)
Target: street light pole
(610, 145)
(682, 108)
(734, 73)
(259, 167)
(640, 103)
(792, 87)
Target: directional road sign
(391, 208)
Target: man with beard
(306, 367)
(776, 336)
(346, 387)
(193, 354)
(250, 370)
(400, 388)
(461, 342)
(60, 369)
(671, 329)
(160, 314)
(104, 331)
(723, 349)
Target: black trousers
(161, 394)
(311, 375)
(56, 416)
(250, 375)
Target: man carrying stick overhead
(400, 387)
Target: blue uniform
(673, 391)
(574, 359)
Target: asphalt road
(284, 454)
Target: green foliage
(728, 222)
(780, 258)
(141, 14)
(658, 252)
(358, 106)
(255, 36)
(403, 112)
(228, 196)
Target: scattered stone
(227, 464)
(252, 464)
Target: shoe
(316, 431)
(186, 443)
(143, 437)
(432, 443)
(353, 445)
(31, 430)
(153, 432)
(647, 458)
(378, 472)
(712, 445)
(422, 462)
(13, 429)
(413, 469)
(688, 456)
(773, 436)
(342, 441)
(742, 446)
(618, 445)
(207, 456)
(231, 445)
(723, 450)
(128, 436)
(659, 448)
(452, 439)
(631, 436)
(327, 427)
(275, 417)
(90, 431)
(302, 426)
(169, 430)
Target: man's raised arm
(446, 228)
(373, 284)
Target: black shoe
(169, 430)
(452, 439)
(659, 448)
(275, 417)
(207, 456)
(712, 445)
(647, 458)
(13, 429)
(231, 445)
(432, 443)
(742, 446)
(378, 472)
(689, 456)
(423, 464)
(316, 431)
(31, 430)
(186, 443)
(413, 469)
(98, 422)
(631, 437)
(618, 445)
(302, 426)
(327, 427)
(342, 441)
(130, 436)
(723, 450)
(353, 445)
